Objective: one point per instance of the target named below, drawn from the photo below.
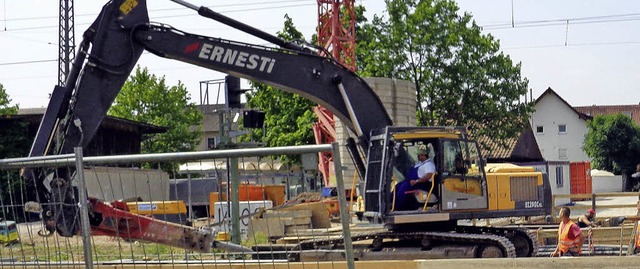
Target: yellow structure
(8, 232)
(157, 207)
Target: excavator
(427, 227)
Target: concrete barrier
(571, 262)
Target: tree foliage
(5, 103)
(461, 76)
(146, 98)
(14, 141)
(288, 117)
(613, 143)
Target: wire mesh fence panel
(199, 209)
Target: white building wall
(560, 183)
(602, 184)
(551, 112)
(116, 183)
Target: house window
(628, 113)
(211, 143)
(540, 129)
(562, 128)
(562, 154)
(559, 176)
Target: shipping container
(580, 173)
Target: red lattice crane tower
(337, 34)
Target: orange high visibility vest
(564, 243)
(638, 235)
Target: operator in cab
(460, 167)
(418, 177)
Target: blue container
(329, 192)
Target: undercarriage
(461, 242)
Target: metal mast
(337, 34)
(66, 40)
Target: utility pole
(66, 40)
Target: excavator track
(392, 244)
(524, 240)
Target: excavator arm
(316, 78)
(107, 55)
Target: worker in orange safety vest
(636, 249)
(570, 238)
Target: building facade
(212, 114)
(559, 129)
(115, 136)
(633, 111)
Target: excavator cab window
(453, 156)
(406, 155)
(461, 158)
(463, 182)
(474, 160)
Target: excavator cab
(423, 222)
(459, 182)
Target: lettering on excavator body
(237, 58)
(533, 204)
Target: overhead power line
(28, 62)
(252, 4)
(165, 17)
(522, 24)
(574, 45)
(572, 21)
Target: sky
(585, 50)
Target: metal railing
(114, 183)
(594, 201)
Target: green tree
(14, 141)
(288, 117)
(146, 98)
(5, 103)
(613, 143)
(461, 76)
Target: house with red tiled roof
(521, 149)
(633, 111)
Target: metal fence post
(83, 204)
(345, 217)
(235, 200)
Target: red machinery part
(115, 220)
